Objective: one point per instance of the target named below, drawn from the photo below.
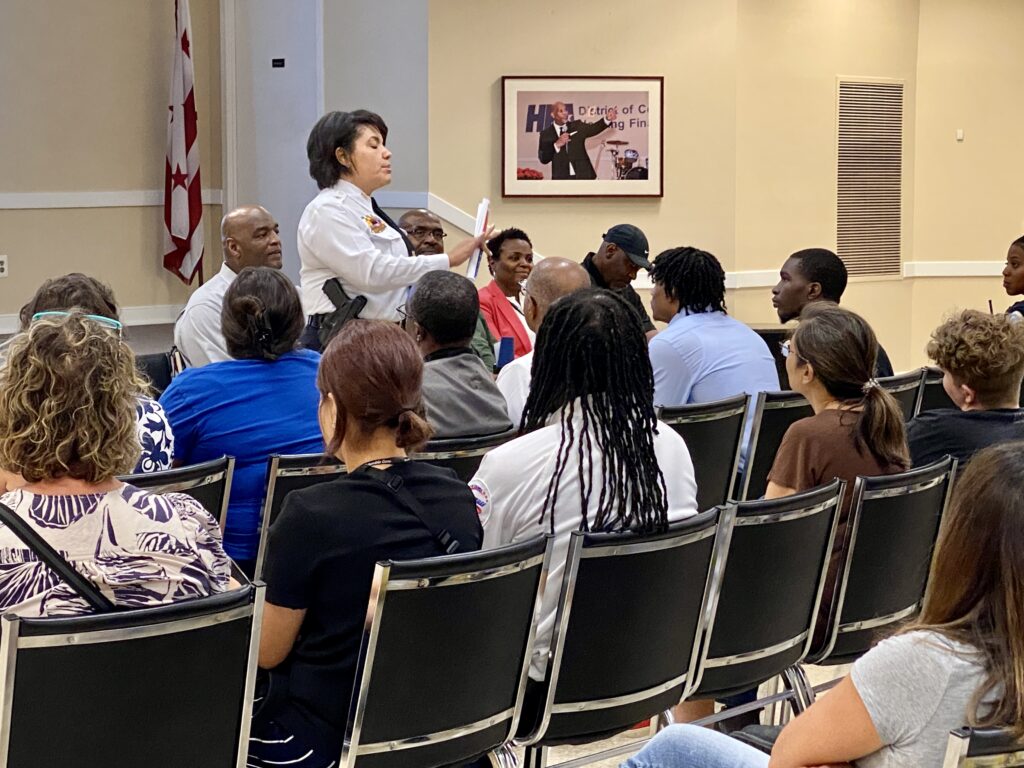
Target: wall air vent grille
(870, 177)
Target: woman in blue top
(264, 401)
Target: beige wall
(750, 114)
(84, 90)
(969, 204)
(689, 36)
(375, 57)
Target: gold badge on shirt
(376, 225)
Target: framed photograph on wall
(565, 136)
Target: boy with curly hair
(982, 359)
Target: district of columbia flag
(183, 198)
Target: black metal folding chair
(284, 475)
(774, 412)
(713, 433)
(414, 703)
(208, 483)
(461, 454)
(983, 748)
(160, 687)
(906, 388)
(626, 631)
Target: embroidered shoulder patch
(376, 225)
(483, 499)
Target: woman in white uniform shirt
(591, 396)
(342, 232)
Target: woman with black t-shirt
(327, 539)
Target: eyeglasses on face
(424, 232)
(785, 347)
(107, 322)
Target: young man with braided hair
(704, 355)
(592, 452)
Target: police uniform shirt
(341, 236)
(511, 484)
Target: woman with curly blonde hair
(89, 296)
(68, 390)
(982, 361)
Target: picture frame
(615, 141)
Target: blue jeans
(690, 746)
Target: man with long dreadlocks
(592, 452)
(704, 355)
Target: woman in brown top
(857, 427)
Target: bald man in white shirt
(551, 279)
(250, 237)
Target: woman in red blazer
(510, 261)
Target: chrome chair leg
(503, 757)
(535, 757)
(803, 692)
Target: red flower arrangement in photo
(528, 174)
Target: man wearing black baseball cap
(622, 254)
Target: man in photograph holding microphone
(563, 143)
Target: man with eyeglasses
(426, 233)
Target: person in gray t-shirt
(902, 698)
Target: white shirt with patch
(512, 482)
(341, 236)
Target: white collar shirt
(511, 484)
(514, 383)
(197, 332)
(341, 236)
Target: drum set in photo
(626, 162)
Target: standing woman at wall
(344, 234)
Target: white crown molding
(990, 269)
(121, 198)
(156, 314)
(452, 213)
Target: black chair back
(284, 475)
(625, 640)
(713, 433)
(771, 589)
(158, 369)
(933, 395)
(462, 454)
(208, 483)
(894, 523)
(906, 388)
(159, 687)
(773, 415)
(983, 748)
(445, 656)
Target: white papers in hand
(482, 211)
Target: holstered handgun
(345, 308)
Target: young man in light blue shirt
(703, 355)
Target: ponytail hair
(843, 350)
(412, 429)
(262, 315)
